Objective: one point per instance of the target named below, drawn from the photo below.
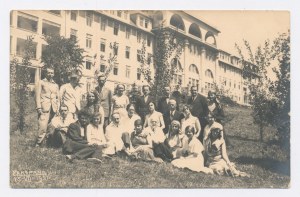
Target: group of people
(116, 124)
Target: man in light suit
(47, 103)
(199, 108)
(70, 94)
(104, 98)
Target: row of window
(116, 70)
(230, 69)
(30, 23)
(227, 82)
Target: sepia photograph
(124, 98)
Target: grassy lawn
(267, 165)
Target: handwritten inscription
(31, 175)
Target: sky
(253, 26)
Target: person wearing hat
(70, 94)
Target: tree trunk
(261, 131)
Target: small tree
(168, 44)
(62, 54)
(19, 81)
(270, 99)
(112, 60)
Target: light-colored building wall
(202, 63)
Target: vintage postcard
(149, 99)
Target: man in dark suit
(76, 145)
(199, 108)
(171, 114)
(142, 103)
(104, 98)
(163, 102)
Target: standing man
(199, 108)
(163, 102)
(71, 94)
(142, 104)
(170, 115)
(104, 98)
(47, 103)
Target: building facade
(201, 63)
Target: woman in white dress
(120, 102)
(94, 133)
(192, 157)
(190, 120)
(130, 119)
(154, 115)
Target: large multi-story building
(201, 63)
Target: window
(146, 23)
(148, 42)
(127, 73)
(88, 65)
(142, 21)
(21, 44)
(116, 49)
(116, 29)
(127, 52)
(119, 13)
(73, 15)
(102, 45)
(27, 22)
(127, 33)
(115, 71)
(50, 28)
(139, 56)
(73, 34)
(112, 12)
(32, 75)
(103, 24)
(88, 42)
(89, 19)
(138, 74)
(138, 37)
(57, 12)
(102, 68)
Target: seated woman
(172, 146)
(95, 135)
(154, 115)
(217, 158)
(211, 124)
(215, 149)
(192, 157)
(141, 144)
(190, 120)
